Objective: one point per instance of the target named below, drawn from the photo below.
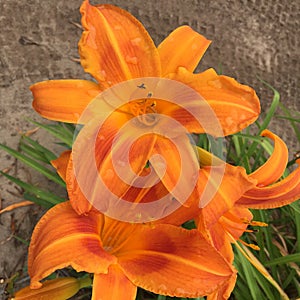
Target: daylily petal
(61, 163)
(114, 285)
(274, 167)
(190, 47)
(233, 185)
(61, 239)
(224, 292)
(63, 100)
(90, 150)
(281, 193)
(55, 289)
(194, 114)
(184, 213)
(235, 105)
(116, 175)
(115, 46)
(231, 225)
(235, 221)
(169, 260)
(175, 162)
(154, 189)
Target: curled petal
(55, 289)
(235, 105)
(235, 221)
(274, 167)
(281, 193)
(63, 100)
(61, 163)
(224, 292)
(190, 47)
(115, 46)
(160, 258)
(62, 238)
(233, 185)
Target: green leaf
(35, 165)
(45, 196)
(284, 260)
(38, 147)
(58, 131)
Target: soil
(38, 41)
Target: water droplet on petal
(162, 288)
(121, 163)
(102, 75)
(109, 174)
(76, 115)
(131, 59)
(101, 137)
(180, 291)
(117, 27)
(136, 41)
(194, 46)
(229, 121)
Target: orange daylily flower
(226, 221)
(114, 48)
(161, 258)
(55, 289)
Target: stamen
(144, 110)
(254, 223)
(252, 246)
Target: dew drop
(121, 163)
(180, 291)
(162, 288)
(109, 174)
(76, 115)
(194, 47)
(102, 75)
(131, 59)
(136, 41)
(229, 121)
(117, 27)
(101, 137)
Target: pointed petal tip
(115, 46)
(190, 47)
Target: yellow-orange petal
(113, 285)
(87, 154)
(233, 185)
(61, 163)
(235, 105)
(223, 292)
(175, 162)
(115, 46)
(62, 238)
(274, 167)
(55, 289)
(160, 258)
(235, 221)
(63, 100)
(279, 194)
(185, 212)
(116, 169)
(184, 47)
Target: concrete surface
(38, 42)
